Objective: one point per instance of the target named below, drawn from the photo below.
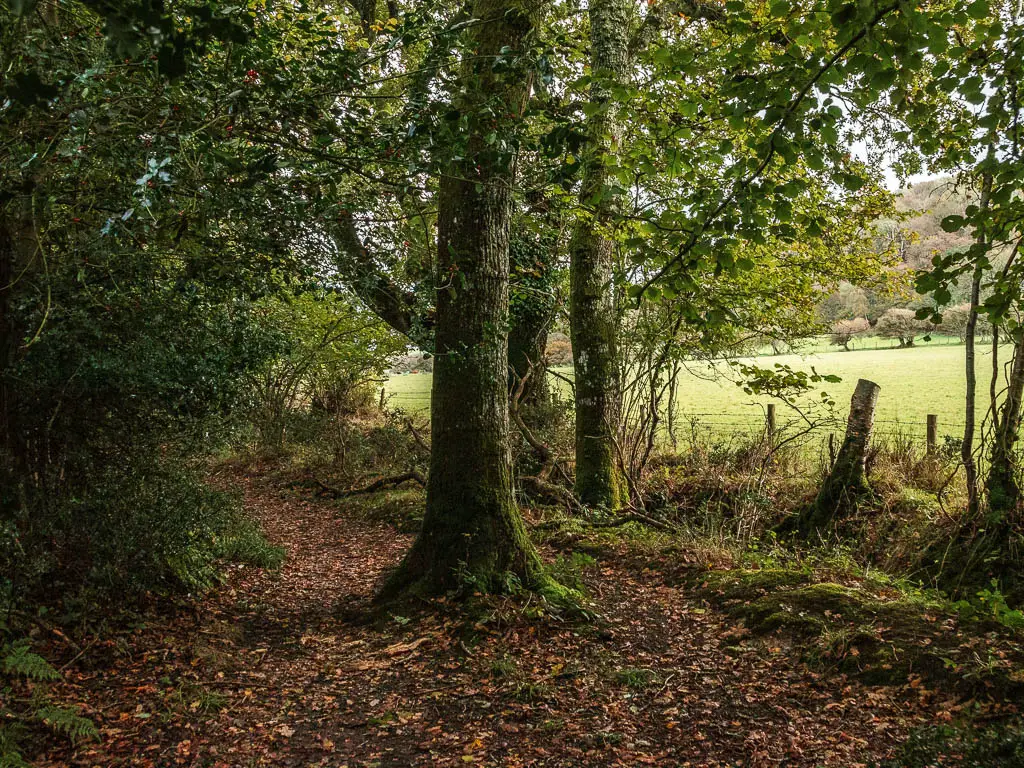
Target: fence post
(771, 422)
(933, 434)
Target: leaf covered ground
(296, 668)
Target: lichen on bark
(472, 531)
(593, 317)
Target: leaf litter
(284, 669)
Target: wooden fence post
(933, 434)
(771, 422)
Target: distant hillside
(917, 238)
(933, 200)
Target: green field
(915, 382)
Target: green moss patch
(884, 638)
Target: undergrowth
(963, 746)
(727, 496)
(26, 709)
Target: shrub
(559, 349)
(900, 324)
(328, 355)
(138, 526)
(100, 486)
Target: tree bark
(528, 331)
(967, 445)
(593, 317)
(847, 481)
(1003, 488)
(531, 310)
(473, 534)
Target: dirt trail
(277, 670)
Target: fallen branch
(417, 437)
(549, 462)
(376, 485)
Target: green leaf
(884, 79)
(853, 182)
(953, 223)
(978, 10)
(844, 15)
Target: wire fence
(711, 423)
(755, 420)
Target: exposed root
(539, 487)
(376, 485)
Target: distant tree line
(903, 326)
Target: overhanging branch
(389, 301)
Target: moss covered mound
(880, 636)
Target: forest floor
(284, 669)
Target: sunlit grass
(928, 378)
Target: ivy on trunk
(593, 318)
(473, 534)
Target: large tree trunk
(1003, 489)
(593, 317)
(847, 481)
(472, 532)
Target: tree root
(539, 487)
(636, 517)
(376, 485)
(632, 517)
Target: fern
(10, 738)
(19, 660)
(66, 721)
(12, 759)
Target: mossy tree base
(496, 559)
(599, 482)
(970, 559)
(476, 546)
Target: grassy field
(915, 382)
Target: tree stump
(847, 481)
